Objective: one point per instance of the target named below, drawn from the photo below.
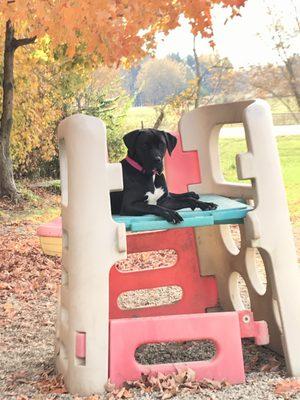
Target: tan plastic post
(92, 243)
(267, 228)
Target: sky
(238, 39)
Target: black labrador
(145, 189)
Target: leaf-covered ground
(29, 283)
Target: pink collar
(137, 166)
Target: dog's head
(148, 147)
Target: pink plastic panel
(255, 329)
(80, 344)
(182, 168)
(199, 292)
(52, 228)
(126, 335)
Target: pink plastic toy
(95, 339)
(199, 293)
(223, 329)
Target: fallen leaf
(120, 393)
(61, 390)
(127, 394)
(190, 375)
(4, 285)
(109, 387)
(288, 386)
(8, 308)
(167, 395)
(180, 377)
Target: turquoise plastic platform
(228, 212)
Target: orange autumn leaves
(117, 30)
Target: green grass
(289, 151)
(147, 115)
(278, 107)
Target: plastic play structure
(96, 340)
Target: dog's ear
(130, 139)
(171, 141)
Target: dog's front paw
(172, 216)
(205, 206)
(193, 195)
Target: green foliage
(28, 195)
(59, 87)
(53, 187)
(93, 90)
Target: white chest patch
(153, 197)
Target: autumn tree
(117, 31)
(159, 79)
(270, 81)
(210, 71)
(213, 80)
(60, 86)
(281, 80)
(38, 108)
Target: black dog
(145, 189)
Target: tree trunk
(7, 183)
(294, 85)
(160, 117)
(198, 74)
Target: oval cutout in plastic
(231, 236)
(144, 298)
(148, 260)
(239, 294)
(175, 352)
(256, 270)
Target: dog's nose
(157, 159)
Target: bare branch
(296, 14)
(22, 42)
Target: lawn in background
(289, 151)
(148, 114)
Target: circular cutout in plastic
(238, 292)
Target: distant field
(278, 107)
(148, 115)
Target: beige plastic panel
(92, 243)
(267, 228)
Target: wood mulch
(29, 284)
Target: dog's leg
(160, 181)
(185, 195)
(179, 203)
(140, 208)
